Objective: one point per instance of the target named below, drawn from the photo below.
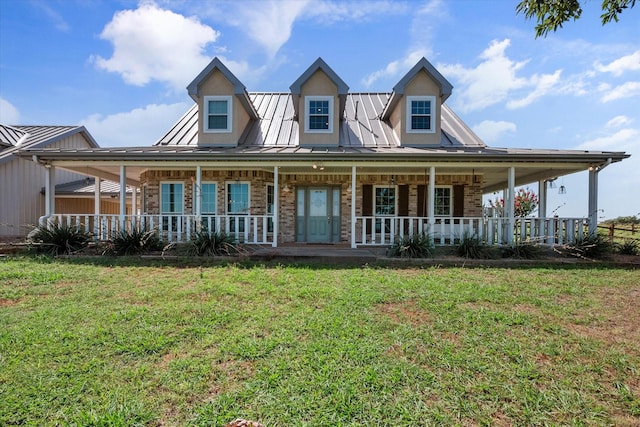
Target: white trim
(307, 113)
(432, 114)
(205, 114)
(160, 197)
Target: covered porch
(341, 183)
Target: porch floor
(330, 253)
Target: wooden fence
(620, 232)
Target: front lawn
(121, 342)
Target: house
(22, 198)
(320, 164)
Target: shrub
(592, 246)
(416, 246)
(58, 239)
(213, 244)
(524, 250)
(471, 246)
(134, 242)
(628, 247)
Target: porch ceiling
(494, 176)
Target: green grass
(119, 342)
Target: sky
(120, 68)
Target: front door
(318, 214)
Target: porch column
(123, 196)
(353, 207)
(96, 197)
(431, 209)
(542, 199)
(276, 205)
(197, 203)
(134, 200)
(593, 200)
(511, 180)
(50, 191)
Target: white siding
(21, 182)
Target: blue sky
(121, 69)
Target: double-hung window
(171, 205)
(318, 114)
(217, 114)
(270, 205)
(208, 196)
(237, 204)
(385, 204)
(442, 202)
(421, 112)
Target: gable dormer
(224, 107)
(319, 96)
(415, 107)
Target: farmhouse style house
(319, 164)
(22, 199)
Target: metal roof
(360, 126)
(86, 187)
(38, 137)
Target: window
(270, 203)
(442, 202)
(217, 113)
(237, 203)
(171, 205)
(385, 201)
(421, 114)
(318, 114)
(384, 204)
(208, 198)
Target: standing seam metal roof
(360, 126)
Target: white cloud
(9, 115)
(495, 79)
(135, 128)
(491, 131)
(626, 90)
(622, 140)
(619, 121)
(544, 84)
(619, 66)
(422, 28)
(394, 68)
(150, 43)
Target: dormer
(415, 106)
(224, 106)
(319, 98)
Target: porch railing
(255, 229)
(377, 231)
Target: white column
(542, 199)
(123, 196)
(134, 201)
(593, 200)
(96, 197)
(431, 208)
(50, 191)
(509, 203)
(197, 203)
(276, 205)
(353, 207)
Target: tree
(551, 14)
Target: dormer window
(217, 114)
(318, 114)
(421, 114)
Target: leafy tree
(551, 14)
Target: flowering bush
(525, 203)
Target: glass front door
(318, 214)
